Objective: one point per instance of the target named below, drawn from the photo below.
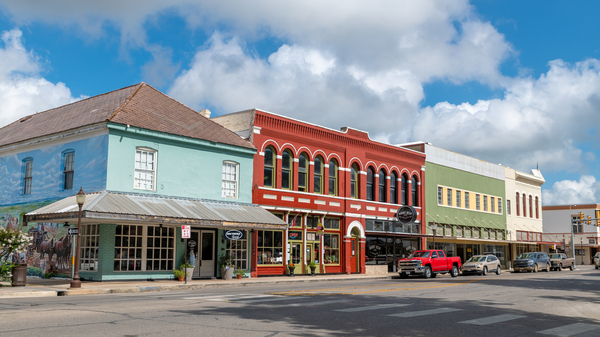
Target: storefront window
(331, 244)
(332, 223)
(312, 221)
(89, 248)
(270, 247)
(387, 250)
(295, 220)
(160, 249)
(238, 250)
(391, 227)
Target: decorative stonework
(285, 198)
(270, 196)
(304, 200)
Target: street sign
(73, 231)
(186, 231)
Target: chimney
(205, 113)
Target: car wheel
(484, 271)
(535, 268)
(403, 275)
(454, 271)
(571, 267)
(498, 270)
(596, 267)
(433, 275)
(427, 273)
(559, 267)
(547, 268)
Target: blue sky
(510, 82)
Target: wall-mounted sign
(234, 234)
(311, 236)
(293, 235)
(191, 243)
(406, 215)
(186, 231)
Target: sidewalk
(37, 287)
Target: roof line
(125, 102)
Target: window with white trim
(68, 170)
(229, 184)
(145, 169)
(238, 250)
(88, 253)
(28, 175)
(144, 248)
(440, 195)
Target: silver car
(481, 264)
(597, 260)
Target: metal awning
(114, 207)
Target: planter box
(227, 273)
(188, 273)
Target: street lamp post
(80, 198)
(581, 252)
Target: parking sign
(186, 231)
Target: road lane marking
(570, 330)
(215, 296)
(425, 312)
(279, 298)
(240, 298)
(372, 307)
(310, 304)
(493, 319)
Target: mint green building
(464, 204)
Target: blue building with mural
(148, 164)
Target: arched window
(354, 181)
(524, 205)
(318, 177)
(382, 186)
(286, 170)
(414, 197)
(404, 190)
(269, 174)
(537, 210)
(333, 177)
(517, 204)
(530, 206)
(302, 172)
(393, 183)
(370, 179)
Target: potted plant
(312, 267)
(189, 270)
(291, 268)
(227, 266)
(179, 273)
(239, 273)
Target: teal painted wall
(441, 175)
(185, 167)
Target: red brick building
(338, 191)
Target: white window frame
(154, 168)
(232, 247)
(225, 181)
(88, 253)
(144, 247)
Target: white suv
(597, 260)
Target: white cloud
(586, 190)
(22, 90)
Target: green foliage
(312, 264)
(34, 271)
(226, 260)
(179, 273)
(47, 275)
(12, 241)
(239, 272)
(185, 265)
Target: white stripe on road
(425, 312)
(216, 296)
(493, 319)
(570, 330)
(283, 298)
(310, 304)
(240, 298)
(372, 307)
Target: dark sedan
(532, 262)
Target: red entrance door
(353, 257)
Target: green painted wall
(441, 175)
(185, 167)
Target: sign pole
(186, 261)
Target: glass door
(296, 255)
(207, 256)
(194, 237)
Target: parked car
(429, 263)
(559, 261)
(481, 264)
(532, 262)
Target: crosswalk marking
(570, 330)
(425, 312)
(240, 298)
(493, 319)
(372, 307)
(280, 298)
(310, 304)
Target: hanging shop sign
(406, 215)
(234, 234)
(293, 235)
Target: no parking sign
(186, 231)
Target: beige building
(524, 211)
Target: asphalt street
(528, 304)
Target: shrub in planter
(179, 273)
(12, 241)
(227, 266)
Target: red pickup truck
(429, 263)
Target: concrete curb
(225, 284)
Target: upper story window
(530, 207)
(27, 175)
(333, 177)
(354, 181)
(404, 190)
(382, 186)
(467, 205)
(517, 204)
(269, 174)
(492, 204)
(507, 206)
(370, 178)
(68, 170)
(524, 205)
(537, 210)
(458, 199)
(145, 169)
(318, 175)
(230, 180)
(485, 204)
(440, 195)
(302, 172)
(393, 183)
(414, 195)
(477, 204)
(500, 205)
(449, 197)
(286, 170)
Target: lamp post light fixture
(80, 198)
